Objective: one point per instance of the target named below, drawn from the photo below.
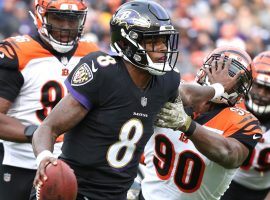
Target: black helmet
(137, 21)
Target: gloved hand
(173, 116)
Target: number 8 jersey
(176, 170)
(32, 78)
(105, 147)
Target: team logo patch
(7, 177)
(130, 18)
(82, 75)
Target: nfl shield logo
(144, 101)
(7, 177)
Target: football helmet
(241, 61)
(138, 21)
(49, 12)
(259, 101)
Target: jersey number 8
(121, 152)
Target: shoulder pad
(26, 49)
(8, 56)
(85, 48)
(243, 120)
(101, 59)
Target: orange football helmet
(258, 99)
(240, 61)
(60, 22)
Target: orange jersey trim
(29, 49)
(232, 119)
(85, 47)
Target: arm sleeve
(249, 134)
(247, 131)
(11, 82)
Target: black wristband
(191, 129)
(29, 131)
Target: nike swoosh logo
(2, 55)
(93, 67)
(256, 136)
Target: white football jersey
(256, 175)
(176, 170)
(43, 87)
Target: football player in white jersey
(252, 180)
(32, 71)
(197, 159)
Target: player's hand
(40, 174)
(218, 72)
(173, 116)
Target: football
(60, 185)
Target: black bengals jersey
(104, 149)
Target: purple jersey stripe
(79, 97)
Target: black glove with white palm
(173, 116)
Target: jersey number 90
(189, 168)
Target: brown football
(60, 185)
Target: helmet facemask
(140, 45)
(61, 27)
(136, 25)
(64, 36)
(259, 104)
(258, 99)
(168, 55)
(239, 91)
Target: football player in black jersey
(113, 102)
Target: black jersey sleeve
(249, 134)
(85, 81)
(11, 79)
(8, 56)
(11, 82)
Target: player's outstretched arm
(227, 152)
(193, 94)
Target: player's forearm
(223, 151)
(43, 139)
(11, 129)
(65, 115)
(193, 94)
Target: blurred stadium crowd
(203, 25)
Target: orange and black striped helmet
(50, 16)
(258, 100)
(241, 61)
